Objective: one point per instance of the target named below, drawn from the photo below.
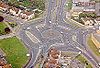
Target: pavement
(7, 36)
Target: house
(7, 66)
(97, 8)
(14, 11)
(24, 14)
(3, 64)
(53, 57)
(27, 15)
(87, 21)
(83, 5)
(76, 1)
(89, 6)
(49, 65)
(3, 7)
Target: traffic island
(93, 45)
(4, 29)
(16, 52)
(84, 61)
(3, 26)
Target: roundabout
(63, 35)
(51, 34)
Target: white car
(21, 23)
(50, 22)
(28, 28)
(99, 64)
(79, 52)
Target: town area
(49, 33)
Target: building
(24, 14)
(27, 15)
(83, 5)
(7, 66)
(3, 7)
(88, 21)
(89, 6)
(14, 11)
(97, 8)
(76, 1)
(4, 65)
(86, 6)
(53, 58)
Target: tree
(7, 30)
(1, 18)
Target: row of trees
(84, 15)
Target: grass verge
(84, 61)
(92, 46)
(69, 4)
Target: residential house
(87, 21)
(14, 11)
(89, 6)
(24, 14)
(27, 15)
(97, 8)
(3, 64)
(7, 66)
(83, 5)
(76, 1)
(3, 7)
(53, 58)
(76, 5)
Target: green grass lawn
(84, 61)
(15, 52)
(2, 27)
(26, 3)
(69, 4)
(92, 46)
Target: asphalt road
(53, 24)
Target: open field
(15, 52)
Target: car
(24, 28)
(50, 22)
(99, 63)
(79, 52)
(28, 28)
(21, 23)
(61, 32)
